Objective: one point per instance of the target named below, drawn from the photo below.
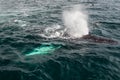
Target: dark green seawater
(22, 24)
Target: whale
(75, 20)
(97, 39)
(93, 38)
(50, 48)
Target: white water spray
(75, 20)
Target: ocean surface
(28, 24)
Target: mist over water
(75, 21)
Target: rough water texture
(28, 24)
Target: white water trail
(76, 21)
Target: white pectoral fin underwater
(43, 49)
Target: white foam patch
(53, 31)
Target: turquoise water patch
(43, 49)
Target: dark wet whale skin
(99, 39)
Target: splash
(53, 31)
(75, 21)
